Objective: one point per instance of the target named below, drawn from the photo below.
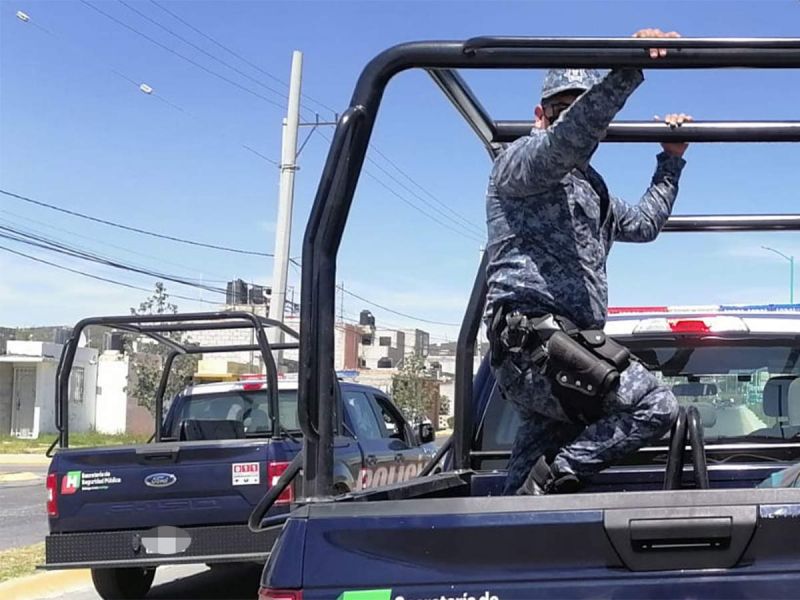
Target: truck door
(408, 453)
(382, 454)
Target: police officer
(551, 224)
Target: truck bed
(661, 544)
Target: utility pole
(283, 230)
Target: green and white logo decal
(367, 595)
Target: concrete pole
(283, 229)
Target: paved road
(190, 582)
(23, 520)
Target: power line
(462, 232)
(396, 312)
(418, 209)
(104, 243)
(154, 93)
(424, 190)
(182, 56)
(54, 246)
(97, 277)
(133, 229)
(236, 54)
(201, 49)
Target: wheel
(123, 584)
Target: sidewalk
(44, 584)
(36, 460)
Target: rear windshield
(740, 388)
(251, 408)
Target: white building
(28, 385)
(382, 348)
(417, 342)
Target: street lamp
(791, 270)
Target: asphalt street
(188, 583)
(23, 520)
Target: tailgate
(681, 544)
(168, 483)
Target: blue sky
(75, 134)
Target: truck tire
(123, 583)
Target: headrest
(210, 429)
(694, 389)
(707, 413)
(776, 394)
(793, 399)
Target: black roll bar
(694, 431)
(675, 458)
(348, 150)
(152, 326)
(698, 131)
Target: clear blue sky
(75, 134)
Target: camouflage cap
(557, 81)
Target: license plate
(165, 540)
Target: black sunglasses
(552, 110)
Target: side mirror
(426, 433)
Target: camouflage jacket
(547, 247)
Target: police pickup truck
(124, 510)
(687, 517)
(678, 531)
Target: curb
(44, 585)
(24, 459)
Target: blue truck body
(108, 501)
(450, 535)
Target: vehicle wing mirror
(426, 433)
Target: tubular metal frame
(153, 326)
(440, 59)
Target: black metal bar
(699, 131)
(207, 321)
(465, 354)
(162, 388)
(266, 502)
(677, 445)
(205, 326)
(695, 433)
(728, 223)
(239, 348)
(334, 217)
(317, 297)
(340, 176)
(57, 408)
(443, 449)
(453, 55)
(467, 104)
(496, 42)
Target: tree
(148, 356)
(413, 392)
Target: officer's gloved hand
(543, 480)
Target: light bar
(707, 309)
(726, 324)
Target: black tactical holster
(583, 366)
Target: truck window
(365, 423)
(393, 424)
(739, 387)
(249, 407)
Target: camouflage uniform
(547, 254)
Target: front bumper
(105, 549)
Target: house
(28, 384)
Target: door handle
(711, 533)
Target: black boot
(543, 480)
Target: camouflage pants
(640, 411)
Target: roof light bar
(724, 324)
